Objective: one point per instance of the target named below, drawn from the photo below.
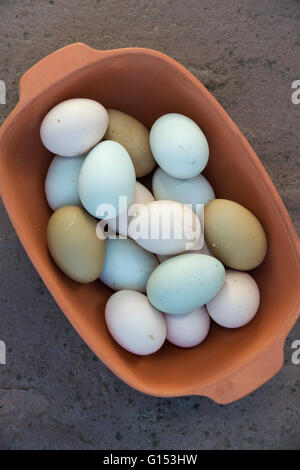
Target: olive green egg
(73, 243)
(134, 136)
(234, 235)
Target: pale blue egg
(61, 184)
(196, 190)
(185, 282)
(179, 145)
(106, 174)
(127, 265)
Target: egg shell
(74, 126)
(179, 145)
(165, 227)
(142, 195)
(106, 174)
(134, 136)
(74, 245)
(61, 184)
(234, 234)
(134, 323)
(127, 265)
(204, 250)
(185, 282)
(237, 302)
(189, 329)
(196, 190)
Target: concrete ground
(54, 393)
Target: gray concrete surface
(54, 394)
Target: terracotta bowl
(147, 84)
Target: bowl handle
(247, 378)
(54, 67)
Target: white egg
(189, 329)
(134, 323)
(127, 265)
(74, 126)
(165, 227)
(119, 225)
(237, 302)
(61, 185)
(179, 145)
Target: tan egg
(234, 234)
(73, 243)
(134, 136)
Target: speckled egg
(185, 282)
(179, 145)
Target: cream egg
(237, 302)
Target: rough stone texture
(54, 393)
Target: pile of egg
(165, 288)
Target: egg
(204, 250)
(134, 136)
(237, 302)
(234, 234)
(196, 190)
(74, 126)
(189, 329)
(61, 184)
(179, 145)
(106, 175)
(165, 227)
(127, 265)
(74, 245)
(119, 224)
(134, 323)
(185, 282)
